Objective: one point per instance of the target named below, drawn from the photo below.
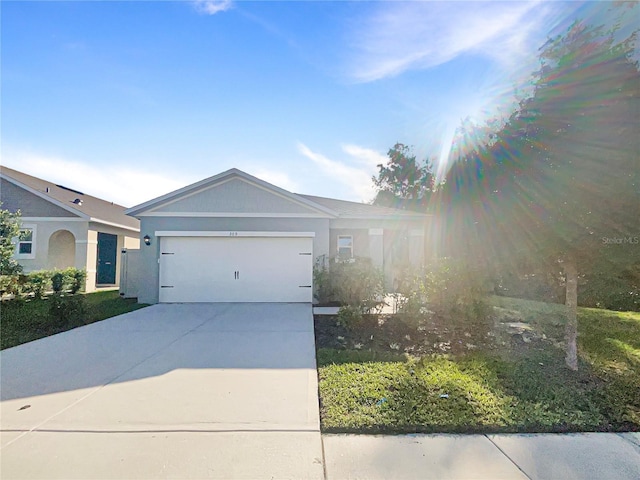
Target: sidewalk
(597, 456)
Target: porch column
(416, 247)
(86, 257)
(376, 246)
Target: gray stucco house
(64, 228)
(235, 238)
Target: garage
(235, 267)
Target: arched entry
(62, 249)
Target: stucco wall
(148, 291)
(82, 254)
(360, 241)
(42, 234)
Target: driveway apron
(169, 391)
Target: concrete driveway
(169, 391)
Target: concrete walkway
(169, 391)
(597, 456)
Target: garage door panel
(245, 269)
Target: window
(25, 246)
(345, 246)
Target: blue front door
(107, 252)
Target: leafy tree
(562, 174)
(9, 229)
(403, 182)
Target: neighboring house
(236, 238)
(64, 228)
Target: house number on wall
(233, 234)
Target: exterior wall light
(147, 240)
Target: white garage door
(236, 269)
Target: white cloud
(356, 179)
(211, 7)
(399, 36)
(369, 158)
(120, 184)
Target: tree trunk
(571, 303)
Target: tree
(10, 224)
(562, 174)
(403, 182)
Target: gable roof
(91, 208)
(219, 179)
(327, 206)
(347, 209)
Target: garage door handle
(304, 286)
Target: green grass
(27, 320)
(493, 391)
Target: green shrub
(356, 285)
(76, 278)
(10, 285)
(612, 290)
(540, 283)
(67, 309)
(38, 282)
(356, 282)
(349, 317)
(68, 280)
(448, 296)
(57, 282)
(324, 292)
(446, 287)
(10, 224)
(411, 294)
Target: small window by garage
(25, 245)
(345, 246)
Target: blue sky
(130, 100)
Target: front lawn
(392, 377)
(26, 320)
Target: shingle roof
(348, 209)
(96, 209)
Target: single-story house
(63, 227)
(235, 238)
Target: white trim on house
(350, 246)
(220, 179)
(111, 224)
(231, 214)
(416, 233)
(34, 235)
(232, 234)
(53, 219)
(404, 216)
(376, 231)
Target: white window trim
(27, 256)
(338, 246)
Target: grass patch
(27, 320)
(513, 386)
